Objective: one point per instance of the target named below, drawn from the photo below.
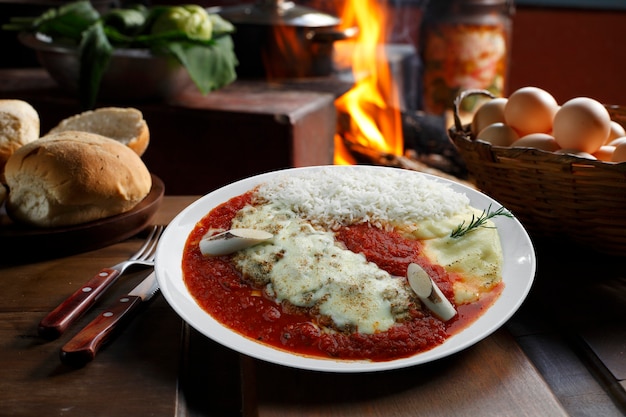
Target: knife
(58, 320)
(83, 347)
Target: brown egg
(530, 110)
(617, 141)
(616, 131)
(576, 152)
(488, 113)
(582, 123)
(498, 134)
(619, 155)
(605, 153)
(541, 141)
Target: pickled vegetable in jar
(465, 45)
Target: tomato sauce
(221, 291)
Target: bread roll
(126, 125)
(70, 178)
(19, 125)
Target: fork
(58, 320)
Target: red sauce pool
(220, 290)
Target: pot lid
(277, 12)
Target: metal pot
(278, 39)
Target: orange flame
(372, 103)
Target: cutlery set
(83, 347)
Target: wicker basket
(553, 195)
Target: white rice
(329, 198)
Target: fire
(372, 104)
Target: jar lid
(278, 12)
(469, 6)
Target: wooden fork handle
(58, 320)
(83, 347)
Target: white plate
(518, 275)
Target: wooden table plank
(572, 326)
(135, 375)
(135, 371)
(492, 378)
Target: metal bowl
(133, 74)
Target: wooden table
(158, 366)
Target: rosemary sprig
(479, 221)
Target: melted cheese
(305, 267)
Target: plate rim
(183, 303)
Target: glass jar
(465, 44)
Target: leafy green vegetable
(192, 20)
(95, 54)
(208, 69)
(200, 41)
(479, 221)
(129, 22)
(220, 25)
(66, 22)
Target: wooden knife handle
(70, 310)
(82, 348)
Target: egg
(488, 113)
(616, 131)
(617, 141)
(583, 124)
(541, 141)
(576, 152)
(605, 153)
(619, 155)
(498, 134)
(530, 110)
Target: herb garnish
(479, 221)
